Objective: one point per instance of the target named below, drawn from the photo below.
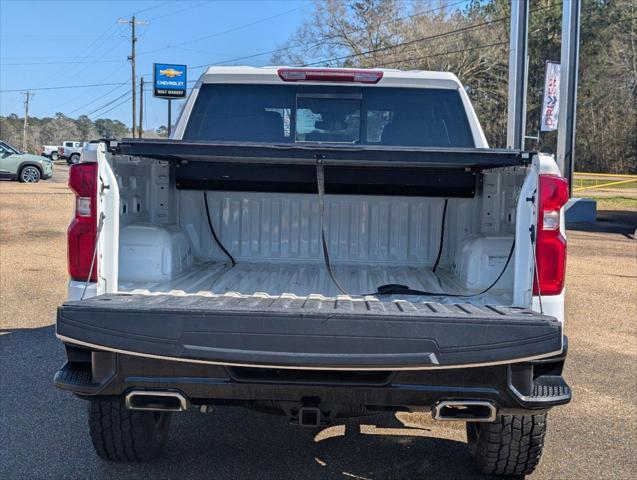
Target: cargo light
(82, 231)
(550, 243)
(329, 75)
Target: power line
(316, 43)
(170, 14)
(81, 95)
(84, 67)
(284, 49)
(62, 87)
(58, 63)
(409, 42)
(99, 98)
(461, 50)
(424, 57)
(159, 5)
(46, 57)
(108, 104)
(216, 34)
(439, 35)
(85, 52)
(115, 106)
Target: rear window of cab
(326, 114)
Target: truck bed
(303, 279)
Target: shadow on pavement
(623, 222)
(44, 434)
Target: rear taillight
(550, 243)
(329, 75)
(82, 232)
(60, 150)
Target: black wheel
(122, 435)
(512, 445)
(74, 158)
(54, 156)
(29, 174)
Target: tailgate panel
(356, 333)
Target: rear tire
(512, 445)
(123, 435)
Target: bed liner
(303, 279)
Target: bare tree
(470, 39)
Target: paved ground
(43, 432)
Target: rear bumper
(257, 351)
(515, 388)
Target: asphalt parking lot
(43, 432)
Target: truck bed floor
(309, 278)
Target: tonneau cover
(330, 154)
(311, 332)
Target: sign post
(169, 81)
(568, 88)
(170, 116)
(518, 52)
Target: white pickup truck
(70, 151)
(50, 151)
(319, 243)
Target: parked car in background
(50, 151)
(24, 167)
(70, 151)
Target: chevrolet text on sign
(169, 80)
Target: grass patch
(614, 203)
(589, 182)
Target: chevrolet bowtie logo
(171, 72)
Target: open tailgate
(286, 331)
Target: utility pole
(27, 95)
(141, 107)
(133, 23)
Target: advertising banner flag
(551, 101)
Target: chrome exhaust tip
(156, 401)
(465, 411)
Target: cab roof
(390, 77)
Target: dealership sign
(169, 80)
(551, 101)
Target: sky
(55, 43)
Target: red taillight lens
(83, 229)
(329, 75)
(550, 243)
(60, 151)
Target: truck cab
(319, 243)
